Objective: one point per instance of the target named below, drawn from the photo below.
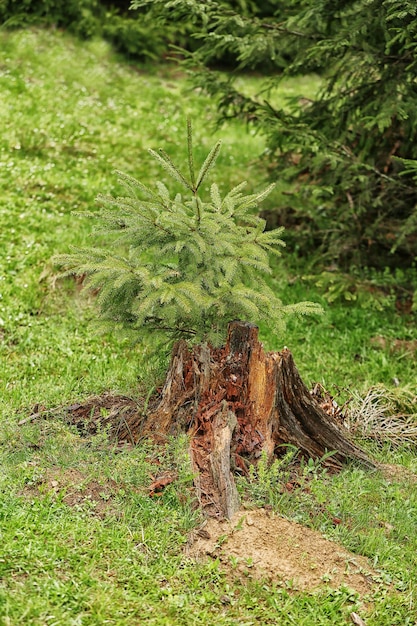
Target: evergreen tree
(351, 152)
(183, 266)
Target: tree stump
(237, 402)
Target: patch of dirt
(76, 489)
(394, 345)
(260, 544)
(395, 473)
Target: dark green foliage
(81, 17)
(229, 32)
(350, 154)
(135, 36)
(130, 32)
(183, 266)
(358, 198)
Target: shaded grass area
(71, 114)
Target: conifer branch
(186, 266)
(208, 164)
(190, 152)
(165, 160)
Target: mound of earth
(263, 545)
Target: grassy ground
(70, 114)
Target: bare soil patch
(76, 490)
(397, 473)
(263, 545)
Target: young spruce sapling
(186, 265)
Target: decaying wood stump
(236, 402)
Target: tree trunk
(237, 402)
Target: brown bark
(236, 402)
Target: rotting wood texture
(236, 402)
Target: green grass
(70, 114)
(337, 350)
